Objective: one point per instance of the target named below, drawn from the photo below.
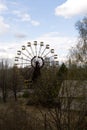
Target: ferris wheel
(35, 55)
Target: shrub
(26, 94)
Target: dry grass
(19, 116)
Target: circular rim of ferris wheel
(33, 52)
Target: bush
(14, 117)
(26, 94)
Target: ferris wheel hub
(37, 59)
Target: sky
(50, 21)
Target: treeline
(13, 79)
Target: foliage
(81, 26)
(26, 94)
(78, 54)
(4, 79)
(62, 73)
(14, 117)
(46, 87)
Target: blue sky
(50, 21)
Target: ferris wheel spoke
(29, 53)
(39, 50)
(24, 48)
(29, 45)
(39, 53)
(23, 59)
(25, 55)
(22, 63)
(50, 52)
(53, 56)
(41, 45)
(35, 44)
(32, 50)
(43, 52)
(47, 47)
(36, 50)
(46, 54)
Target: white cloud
(14, 3)
(9, 51)
(71, 8)
(22, 16)
(3, 7)
(4, 27)
(58, 41)
(35, 23)
(25, 17)
(2, 50)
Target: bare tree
(17, 81)
(4, 79)
(78, 54)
